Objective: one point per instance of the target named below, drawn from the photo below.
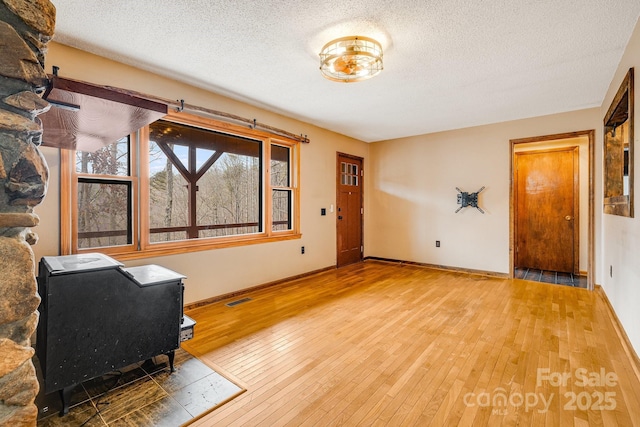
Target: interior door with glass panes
(349, 212)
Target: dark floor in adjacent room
(143, 394)
(555, 277)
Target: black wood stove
(97, 316)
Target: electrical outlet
(302, 250)
(437, 243)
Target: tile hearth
(142, 394)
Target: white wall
(414, 184)
(220, 271)
(620, 235)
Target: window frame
(141, 246)
(69, 178)
(192, 226)
(289, 188)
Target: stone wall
(26, 26)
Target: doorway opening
(552, 208)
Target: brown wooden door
(349, 210)
(546, 210)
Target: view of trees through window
(104, 196)
(282, 197)
(202, 183)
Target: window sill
(165, 249)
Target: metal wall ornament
(468, 199)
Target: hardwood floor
(380, 344)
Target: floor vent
(240, 301)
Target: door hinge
(361, 211)
(362, 249)
(361, 172)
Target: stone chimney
(26, 26)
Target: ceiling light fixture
(351, 59)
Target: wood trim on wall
(245, 291)
(297, 188)
(591, 229)
(622, 335)
(440, 267)
(65, 203)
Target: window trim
(293, 180)
(69, 202)
(141, 247)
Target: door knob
(568, 217)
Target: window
(104, 196)
(348, 174)
(282, 189)
(202, 184)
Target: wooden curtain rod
(180, 106)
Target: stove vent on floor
(240, 301)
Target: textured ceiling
(448, 63)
